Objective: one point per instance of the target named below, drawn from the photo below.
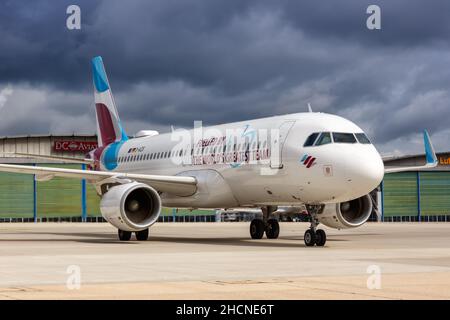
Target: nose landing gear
(314, 236)
(318, 238)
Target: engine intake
(131, 206)
(344, 215)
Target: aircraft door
(277, 143)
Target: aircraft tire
(124, 235)
(310, 238)
(321, 238)
(272, 229)
(257, 229)
(142, 235)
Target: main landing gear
(314, 236)
(269, 226)
(126, 235)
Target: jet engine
(344, 215)
(131, 206)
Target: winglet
(309, 108)
(430, 155)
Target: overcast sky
(172, 62)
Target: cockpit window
(310, 140)
(324, 138)
(340, 137)
(321, 138)
(362, 138)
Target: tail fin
(109, 128)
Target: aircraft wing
(430, 155)
(56, 158)
(177, 185)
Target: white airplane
(319, 160)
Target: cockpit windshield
(321, 138)
(325, 138)
(311, 139)
(362, 138)
(341, 137)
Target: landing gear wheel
(272, 229)
(310, 238)
(141, 235)
(257, 229)
(124, 235)
(321, 238)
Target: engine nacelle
(344, 215)
(131, 206)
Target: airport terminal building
(406, 196)
(419, 195)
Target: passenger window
(340, 137)
(310, 140)
(325, 138)
(362, 138)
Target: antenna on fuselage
(309, 108)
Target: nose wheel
(314, 236)
(318, 238)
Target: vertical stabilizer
(109, 127)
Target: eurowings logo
(308, 160)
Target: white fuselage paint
(341, 171)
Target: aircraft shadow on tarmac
(110, 238)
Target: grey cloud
(173, 62)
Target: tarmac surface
(219, 261)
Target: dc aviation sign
(71, 146)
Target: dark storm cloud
(173, 62)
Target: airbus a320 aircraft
(319, 160)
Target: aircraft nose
(366, 171)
